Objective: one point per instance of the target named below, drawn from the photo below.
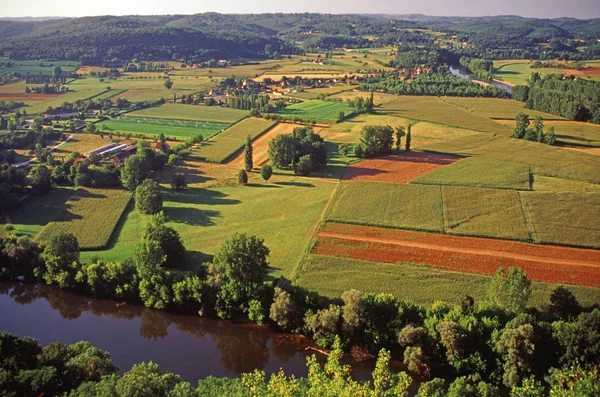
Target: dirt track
(466, 254)
(398, 168)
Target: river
(190, 346)
(455, 70)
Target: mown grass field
(192, 112)
(150, 126)
(315, 92)
(564, 218)
(226, 144)
(497, 108)
(90, 215)
(484, 213)
(480, 172)
(331, 276)
(282, 211)
(434, 109)
(543, 159)
(323, 111)
(518, 72)
(416, 207)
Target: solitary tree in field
(341, 117)
(266, 171)
(248, 163)
(168, 84)
(399, 134)
(178, 182)
(408, 138)
(242, 177)
(148, 199)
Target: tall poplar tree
(248, 163)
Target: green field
(543, 159)
(480, 172)
(436, 110)
(495, 108)
(321, 111)
(313, 93)
(564, 218)
(484, 213)
(415, 207)
(91, 215)
(206, 217)
(515, 73)
(193, 112)
(422, 285)
(230, 141)
(37, 67)
(152, 127)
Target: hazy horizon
(582, 9)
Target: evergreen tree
(248, 163)
(408, 138)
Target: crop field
(260, 145)
(543, 159)
(324, 111)
(108, 94)
(38, 67)
(496, 108)
(564, 218)
(463, 254)
(417, 207)
(192, 112)
(542, 183)
(484, 212)
(480, 172)
(81, 143)
(91, 215)
(331, 276)
(72, 96)
(435, 110)
(171, 128)
(315, 92)
(227, 143)
(399, 168)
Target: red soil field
(551, 264)
(397, 168)
(27, 97)
(591, 71)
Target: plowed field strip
(460, 250)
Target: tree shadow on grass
(199, 196)
(194, 260)
(260, 185)
(191, 216)
(295, 183)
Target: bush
(242, 177)
(266, 171)
(178, 182)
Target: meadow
(415, 207)
(564, 218)
(517, 73)
(152, 127)
(484, 213)
(90, 215)
(572, 133)
(192, 112)
(496, 108)
(480, 172)
(37, 67)
(315, 110)
(420, 284)
(226, 144)
(313, 93)
(543, 159)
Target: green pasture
(420, 284)
(36, 67)
(480, 172)
(496, 108)
(316, 110)
(152, 127)
(313, 93)
(192, 112)
(230, 141)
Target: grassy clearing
(564, 218)
(324, 111)
(331, 276)
(206, 217)
(496, 108)
(193, 112)
(37, 211)
(543, 159)
(416, 207)
(151, 127)
(515, 73)
(434, 109)
(91, 215)
(227, 143)
(484, 213)
(479, 172)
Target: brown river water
(190, 346)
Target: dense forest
(201, 37)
